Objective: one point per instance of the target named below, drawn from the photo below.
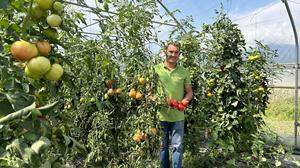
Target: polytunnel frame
(296, 66)
(296, 123)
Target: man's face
(172, 53)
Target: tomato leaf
(20, 100)
(5, 106)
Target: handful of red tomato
(179, 105)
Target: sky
(204, 10)
(265, 20)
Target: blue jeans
(172, 131)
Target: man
(176, 85)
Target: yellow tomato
(209, 94)
(138, 96)
(142, 80)
(110, 92)
(132, 94)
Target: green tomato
(32, 75)
(39, 65)
(54, 20)
(50, 33)
(44, 4)
(37, 13)
(58, 7)
(54, 73)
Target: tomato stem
(26, 25)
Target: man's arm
(188, 93)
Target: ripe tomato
(138, 96)
(118, 91)
(43, 47)
(173, 103)
(132, 94)
(153, 131)
(110, 92)
(23, 50)
(111, 84)
(137, 137)
(181, 107)
(209, 94)
(143, 136)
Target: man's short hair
(176, 44)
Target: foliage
(104, 120)
(231, 95)
(36, 134)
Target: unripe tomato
(37, 13)
(142, 80)
(54, 20)
(32, 75)
(39, 65)
(54, 73)
(50, 33)
(44, 4)
(58, 7)
(260, 89)
(106, 96)
(33, 51)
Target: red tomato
(174, 103)
(181, 107)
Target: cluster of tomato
(179, 105)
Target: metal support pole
(296, 124)
(172, 16)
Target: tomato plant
(231, 101)
(33, 131)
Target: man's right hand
(181, 106)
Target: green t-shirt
(172, 85)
